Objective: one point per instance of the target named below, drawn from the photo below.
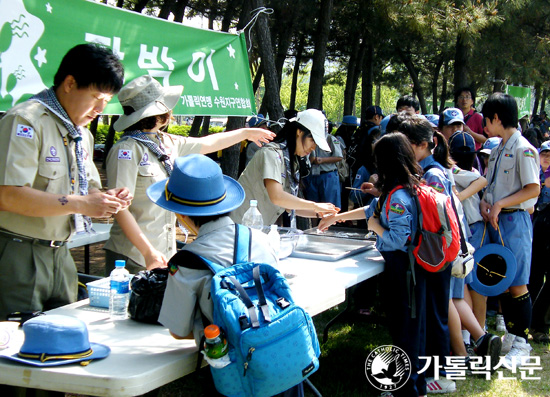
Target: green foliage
(182, 130)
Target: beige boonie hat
(144, 97)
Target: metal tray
(343, 232)
(326, 248)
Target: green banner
(523, 98)
(36, 34)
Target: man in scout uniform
(512, 192)
(49, 186)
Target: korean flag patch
(124, 154)
(25, 131)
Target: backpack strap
(260, 291)
(243, 244)
(247, 301)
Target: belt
(326, 172)
(20, 238)
(510, 210)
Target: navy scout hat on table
(197, 187)
(53, 340)
(494, 269)
(144, 97)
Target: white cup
(8, 330)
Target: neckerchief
(294, 180)
(50, 101)
(157, 149)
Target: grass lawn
(341, 372)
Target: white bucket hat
(315, 122)
(144, 97)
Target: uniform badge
(528, 153)
(145, 160)
(437, 186)
(53, 158)
(124, 154)
(172, 268)
(25, 131)
(456, 170)
(397, 208)
(510, 155)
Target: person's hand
(259, 135)
(492, 215)
(326, 222)
(100, 205)
(326, 209)
(122, 193)
(368, 188)
(155, 259)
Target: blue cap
(544, 147)
(462, 142)
(384, 123)
(349, 120)
(120, 263)
(257, 121)
(373, 111)
(451, 116)
(433, 119)
(490, 144)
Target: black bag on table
(146, 294)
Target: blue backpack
(272, 341)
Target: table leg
(312, 388)
(87, 259)
(340, 315)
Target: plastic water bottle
(215, 345)
(120, 292)
(252, 217)
(274, 239)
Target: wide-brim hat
(315, 122)
(145, 97)
(52, 340)
(494, 269)
(197, 187)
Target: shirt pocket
(149, 174)
(52, 178)
(507, 167)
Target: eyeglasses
(464, 97)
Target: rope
(256, 13)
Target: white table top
(145, 357)
(102, 231)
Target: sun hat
(350, 120)
(544, 147)
(197, 187)
(490, 144)
(257, 121)
(372, 111)
(314, 121)
(494, 269)
(451, 116)
(462, 142)
(55, 339)
(144, 97)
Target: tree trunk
(110, 140)
(462, 59)
(230, 155)
(543, 100)
(257, 78)
(93, 126)
(318, 68)
(166, 8)
(296, 71)
(196, 126)
(498, 82)
(119, 3)
(272, 98)
(538, 95)
(435, 80)
(205, 129)
(354, 66)
(406, 59)
(140, 5)
(444, 87)
(368, 80)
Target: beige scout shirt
(267, 163)
(132, 164)
(33, 154)
(511, 167)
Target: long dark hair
(418, 130)
(396, 163)
(288, 134)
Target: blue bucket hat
(197, 187)
(55, 339)
(350, 120)
(494, 270)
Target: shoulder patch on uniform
(124, 154)
(456, 170)
(437, 186)
(25, 131)
(397, 208)
(528, 153)
(172, 268)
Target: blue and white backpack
(272, 341)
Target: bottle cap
(120, 263)
(273, 228)
(253, 203)
(212, 331)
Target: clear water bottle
(120, 292)
(252, 217)
(274, 239)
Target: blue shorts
(516, 229)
